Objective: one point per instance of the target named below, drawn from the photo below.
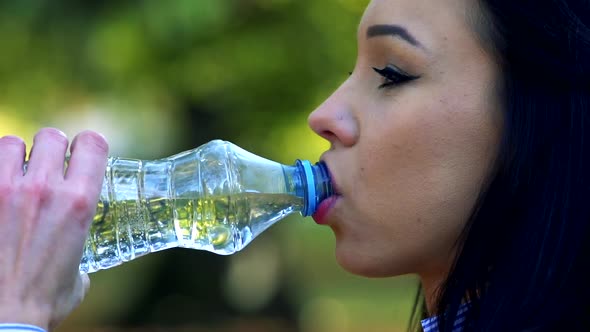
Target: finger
(12, 157)
(48, 154)
(89, 152)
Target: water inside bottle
(123, 230)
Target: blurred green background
(160, 77)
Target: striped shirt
(431, 324)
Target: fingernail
(52, 130)
(60, 132)
(103, 137)
(12, 138)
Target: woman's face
(411, 142)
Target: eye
(393, 76)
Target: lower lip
(323, 209)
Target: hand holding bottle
(45, 215)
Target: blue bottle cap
(311, 202)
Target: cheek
(420, 170)
(398, 149)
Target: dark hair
(523, 262)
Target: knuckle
(6, 192)
(93, 140)
(82, 209)
(38, 190)
(80, 203)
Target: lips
(321, 213)
(323, 209)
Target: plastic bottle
(217, 197)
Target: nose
(335, 121)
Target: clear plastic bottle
(217, 197)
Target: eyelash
(393, 76)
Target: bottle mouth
(326, 179)
(309, 200)
(317, 185)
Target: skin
(45, 215)
(409, 161)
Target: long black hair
(524, 255)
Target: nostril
(330, 136)
(327, 135)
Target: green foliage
(254, 61)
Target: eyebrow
(392, 30)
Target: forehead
(431, 22)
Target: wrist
(13, 314)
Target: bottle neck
(310, 182)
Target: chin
(366, 266)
